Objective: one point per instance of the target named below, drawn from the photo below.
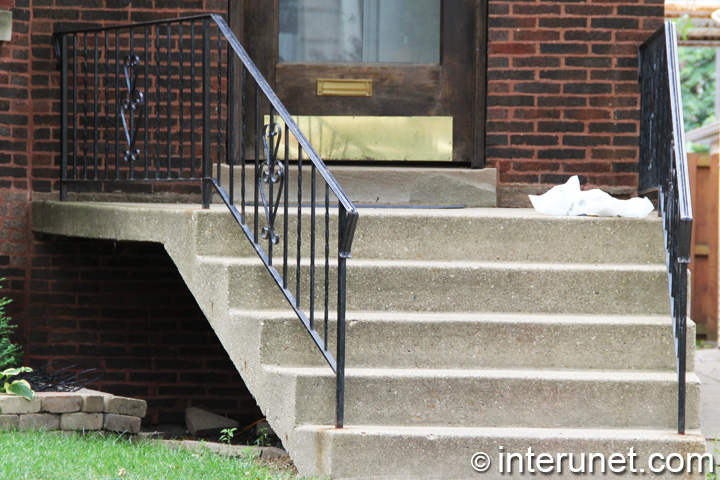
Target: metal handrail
(663, 167)
(151, 149)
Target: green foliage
(697, 147)
(697, 83)
(263, 439)
(10, 353)
(684, 25)
(227, 435)
(21, 388)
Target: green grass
(50, 456)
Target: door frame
(254, 41)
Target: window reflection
(396, 31)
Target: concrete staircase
(469, 330)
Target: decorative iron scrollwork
(272, 173)
(133, 102)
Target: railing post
(206, 160)
(64, 108)
(682, 342)
(342, 289)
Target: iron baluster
(192, 100)
(168, 114)
(230, 136)
(327, 265)
(243, 116)
(312, 245)
(107, 106)
(117, 104)
(219, 108)
(75, 101)
(257, 162)
(157, 101)
(206, 161)
(286, 212)
(299, 229)
(85, 108)
(271, 173)
(180, 101)
(64, 126)
(145, 112)
(95, 108)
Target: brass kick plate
(344, 87)
(373, 138)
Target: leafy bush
(10, 353)
(21, 388)
(697, 83)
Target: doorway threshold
(399, 186)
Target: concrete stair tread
(519, 432)
(456, 317)
(489, 373)
(444, 264)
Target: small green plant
(21, 388)
(263, 439)
(10, 352)
(227, 435)
(712, 470)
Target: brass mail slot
(703, 162)
(702, 250)
(344, 87)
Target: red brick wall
(122, 308)
(563, 96)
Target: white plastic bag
(568, 199)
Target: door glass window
(394, 31)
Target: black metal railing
(663, 168)
(181, 101)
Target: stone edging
(84, 410)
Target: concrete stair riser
(458, 234)
(468, 287)
(402, 453)
(479, 341)
(493, 398)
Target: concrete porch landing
(468, 330)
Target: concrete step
(477, 234)
(385, 452)
(490, 398)
(414, 286)
(476, 340)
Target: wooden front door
(412, 62)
